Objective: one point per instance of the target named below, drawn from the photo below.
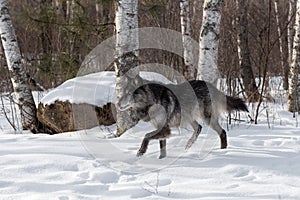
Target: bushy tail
(234, 103)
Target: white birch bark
(293, 97)
(189, 72)
(209, 41)
(18, 77)
(127, 45)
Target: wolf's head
(137, 99)
(134, 94)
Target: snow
(260, 163)
(95, 89)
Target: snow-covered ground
(262, 162)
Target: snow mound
(95, 89)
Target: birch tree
(247, 75)
(18, 77)
(209, 41)
(189, 72)
(126, 56)
(294, 84)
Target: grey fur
(169, 105)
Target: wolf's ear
(138, 81)
(133, 72)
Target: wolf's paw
(223, 144)
(162, 156)
(140, 152)
(189, 144)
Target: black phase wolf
(174, 105)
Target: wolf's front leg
(145, 142)
(160, 135)
(143, 148)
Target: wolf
(174, 105)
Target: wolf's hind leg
(197, 129)
(223, 138)
(163, 148)
(214, 124)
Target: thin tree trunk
(291, 31)
(18, 76)
(103, 11)
(75, 13)
(209, 41)
(294, 84)
(57, 4)
(283, 58)
(46, 35)
(126, 57)
(189, 71)
(69, 9)
(72, 33)
(244, 52)
(98, 11)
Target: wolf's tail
(234, 103)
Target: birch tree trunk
(247, 75)
(293, 96)
(209, 41)
(18, 77)
(283, 57)
(127, 45)
(188, 57)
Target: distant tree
(188, 56)
(247, 75)
(126, 56)
(291, 31)
(18, 76)
(209, 41)
(58, 5)
(294, 84)
(283, 54)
